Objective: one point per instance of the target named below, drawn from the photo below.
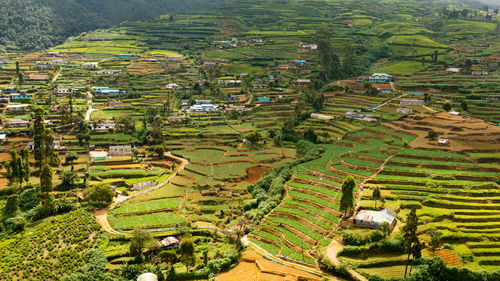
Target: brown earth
(254, 267)
(463, 133)
(254, 173)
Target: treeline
(35, 24)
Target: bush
(101, 195)
(432, 134)
(15, 224)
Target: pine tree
(413, 245)
(38, 137)
(376, 195)
(46, 182)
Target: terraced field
(309, 211)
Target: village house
(170, 243)
(102, 127)
(411, 102)
(173, 58)
(152, 60)
(173, 86)
(203, 108)
(318, 116)
(4, 60)
(230, 82)
(454, 69)
(108, 91)
(55, 145)
(17, 107)
(53, 54)
(360, 116)
(109, 71)
(3, 137)
(209, 64)
(60, 61)
(121, 150)
(478, 73)
(43, 65)
(308, 46)
(38, 76)
(10, 89)
(240, 108)
(202, 101)
(90, 65)
(4, 100)
(260, 85)
(114, 103)
(283, 67)
(380, 77)
(375, 219)
(20, 96)
(263, 99)
(384, 89)
(298, 61)
(231, 98)
(98, 155)
(125, 56)
(61, 91)
(443, 141)
(16, 123)
(404, 110)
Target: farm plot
(309, 210)
(452, 192)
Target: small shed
(443, 142)
(170, 243)
(374, 219)
(3, 137)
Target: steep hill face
(36, 24)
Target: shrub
(101, 195)
(432, 134)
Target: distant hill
(37, 24)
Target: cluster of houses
(234, 42)
(459, 70)
(113, 150)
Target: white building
(102, 126)
(61, 91)
(203, 107)
(404, 110)
(173, 86)
(17, 107)
(90, 64)
(454, 69)
(120, 150)
(411, 102)
(374, 219)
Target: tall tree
(139, 241)
(349, 60)
(38, 137)
(46, 182)
(186, 249)
(413, 245)
(329, 62)
(376, 195)
(347, 199)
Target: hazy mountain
(26, 24)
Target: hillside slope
(34, 24)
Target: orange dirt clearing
(254, 173)
(254, 267)
(451, 258)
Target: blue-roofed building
(380, 77)
(108, 91)
(263, 99)
(20, 96)
(231, 98)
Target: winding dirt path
(102, 215)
